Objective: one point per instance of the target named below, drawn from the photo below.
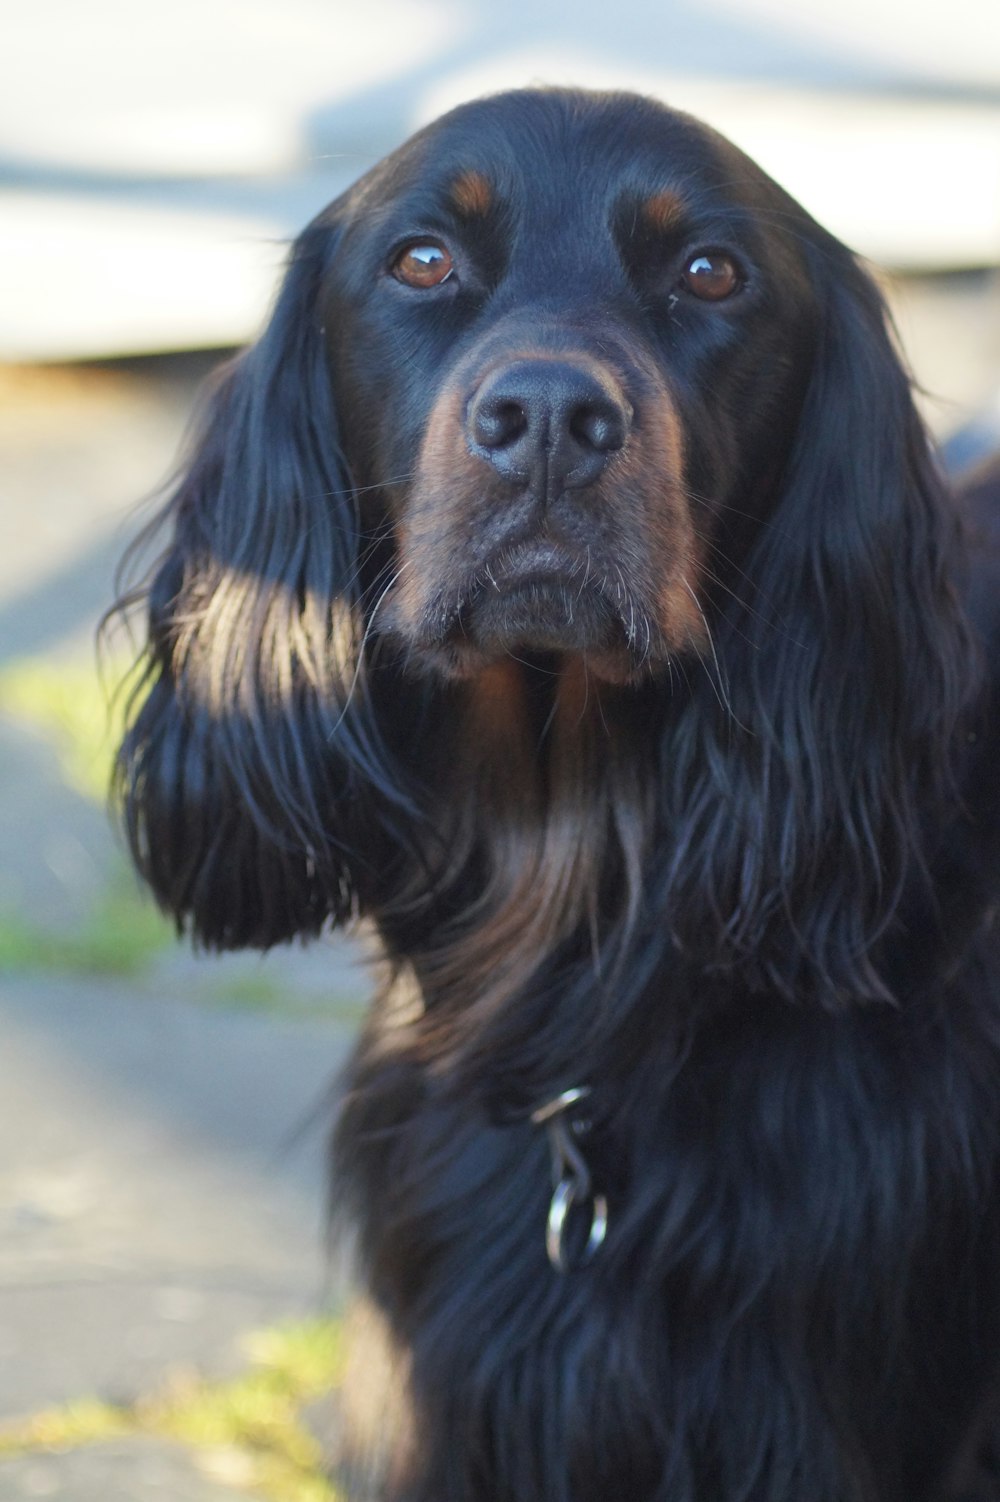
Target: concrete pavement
(161, 1138)
(162, 1186)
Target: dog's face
(606, 397)
(568, 336)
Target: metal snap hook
(561, 1103)
(563, 1200)
(571, 1180)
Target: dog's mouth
(538, 598)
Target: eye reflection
(711, 275)
(425, 263)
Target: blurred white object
(85, 278)
(953, 43)
(198, 87)
(154, 162)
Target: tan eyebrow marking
(664, 211)
(471, 193)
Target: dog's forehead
(535, 148)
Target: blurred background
(169, 1320)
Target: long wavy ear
(846, 662)
(253, 750)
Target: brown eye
(711, 275)
(425, 264)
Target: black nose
(548, 423)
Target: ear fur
(253, 736)
(847, 663)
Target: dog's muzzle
(548, 424)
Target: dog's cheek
(378, 412)
(439, 527)
(667, 545)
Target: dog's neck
(547, 806)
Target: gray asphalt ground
(162, 1187)
(161, 1148)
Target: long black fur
(748, 894)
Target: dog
(564, 584)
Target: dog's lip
(543, 595)
(540, 562)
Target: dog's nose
(548, 423)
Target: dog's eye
(712, 275)
(425, 263)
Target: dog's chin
(539, 617)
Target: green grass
(80, 713)
(79, 710)
(86, 1422)
(252, 1423)
(120, 937)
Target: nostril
(498, 421)
(550, 424)
(598, 425)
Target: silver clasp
(570, 1177)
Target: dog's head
(568, 338)
(566, 390)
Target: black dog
(564, 582)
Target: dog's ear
(253, 743)
(847, 663)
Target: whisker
(361, 656)
(718, 682)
